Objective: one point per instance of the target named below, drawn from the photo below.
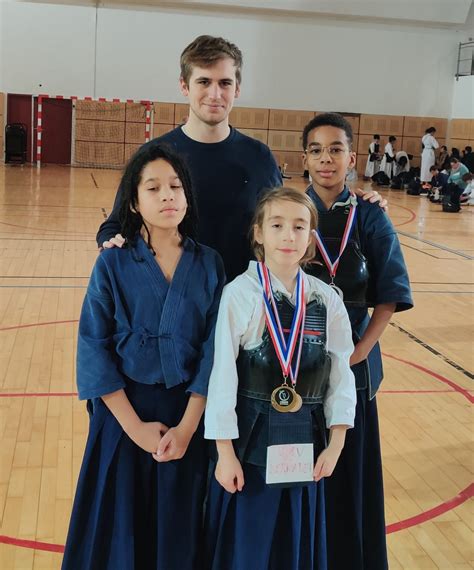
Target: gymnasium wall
(463, 98)
(290, 63)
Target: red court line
(450, 383)
(38, 325)
(415, 391)
(422, 517)
(34, 544)
(411, 212)
(425, 516)
(59, 394)
(35, 394)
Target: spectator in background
(467, 197)
(454, 154)
(389, 156)
(438, 185)
(428, 144)
(401, 163)
(456, 185)
(468, 158)
(443, 158)
(374, 158)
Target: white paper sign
(290, 463)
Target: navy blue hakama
(355, 499)
(130, 512)
(265, 527)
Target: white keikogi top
(241, 323)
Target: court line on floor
(67, 232)
(420, 518)
(41, 239)
(44, 276)
(430, 514)
(43, 287)
(67, 206)
(94, 180)
(437, 245)
(450, 292)
(411, 212)
(39, 324)
(434, 351)
(419, 250)
(459, 389)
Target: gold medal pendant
(284, 398)
(298, 403)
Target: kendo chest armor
(352, 275)
(259, 369)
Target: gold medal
(284, 398)
(298, 403)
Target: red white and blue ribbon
(284, 349)
(330, 264)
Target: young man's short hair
(205, 51)
(433, 168)
(328, 120)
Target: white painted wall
(463, 98)
(290, 62)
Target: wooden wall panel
(355, 143)
(381, 125)
(412, 145)
(416, 126)
(2, 125)
(259, 134)
(294, 161)
(135, 133)
(163, 113)
(249, 118)
(361, 164)
(181, 112)
(159, 130)
(101, 154)
(282, 120)
(355, 123)
(471, 130)
(459, 144)
(135, 113)
(285, 140)
(100, 110)
(416, 161)
(106, 131)
(460, 129)
(129, 150)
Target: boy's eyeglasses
(333, 151)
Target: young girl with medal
(280, 377)
(145, 353)
(359, 256)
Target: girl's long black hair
(131, 220)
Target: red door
(19, 111)
(57, 131)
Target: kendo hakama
(131, 512)
(266, 526)
(371, 271)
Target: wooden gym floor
(48, 221)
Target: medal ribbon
(333, 265)
(284, 350)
